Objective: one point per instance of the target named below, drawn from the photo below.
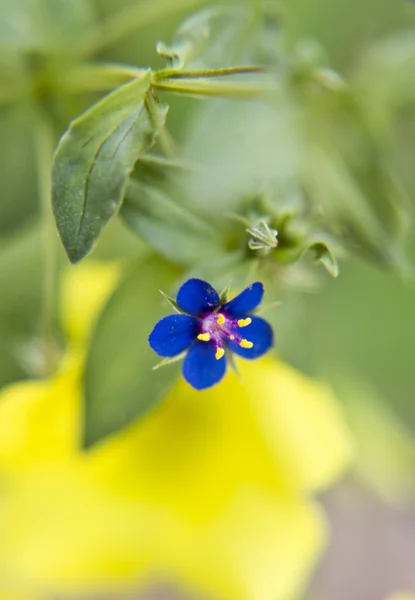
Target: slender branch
(44, 152)
(174, 74)
(218, 90)
(96, 77)
(131, 19)
(182, 165)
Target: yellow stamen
(245, 344)
(244, 322)
(220, 320)
(204, 337)
(231, 337)
(219, 353)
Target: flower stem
(216, 89)
(96, 77)
(44, 152)
(203, 73)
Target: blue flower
(209, 329)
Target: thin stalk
(44, 152)
(96, 77)
(131, 19)
(203, 73)
(168, 163)
(218, 90)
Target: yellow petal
(201, 492)
(65, 531)
(238, 555)
(402, 596)
(40, 420)
(84, 291)
(301, 421)
(194, 451)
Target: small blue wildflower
(208, 328)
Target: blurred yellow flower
(84, 291)
(211, 491)
(402, 596)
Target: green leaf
(171, 301)
(120, 384)
(168, 226)
(208, 38)
(225, 294)
(323, 254)
(94, 159)
(168, 361)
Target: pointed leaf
(208, 38)
(323, 254)
(168, 226)
(171, 301)
(120, 384)
(93, 162)
(168, 361)
(225, 294)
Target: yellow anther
(244, 322)
(219, 353)
(204, 337)
(220, 320)
(245, 344)
(231, 337)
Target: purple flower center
(218, 327)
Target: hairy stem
(216, 89)
(203, 73)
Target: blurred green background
(358, 329)
(360, 324)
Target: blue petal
(200, 367)
(260, 333)
(173, 334)
(246, 301)
(197, 297)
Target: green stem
(44, 153)
(174, 74)
(218, 90)
(168, 163)
(96, 77)
(132, 18)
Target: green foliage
(119, 382)
(207, 39)
(168, 226)
(291, 163)
(323, 254)
(94, 159)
